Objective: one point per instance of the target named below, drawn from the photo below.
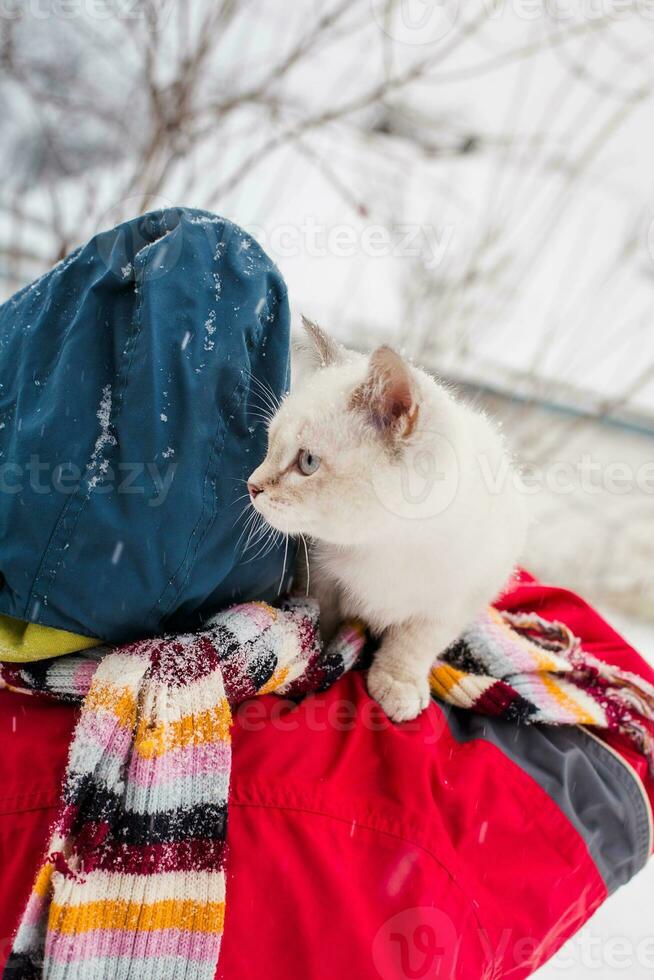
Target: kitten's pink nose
(254, 490)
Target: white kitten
(410, 501)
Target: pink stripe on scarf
(34, 910)
(97, 943)
(214, 757)
(83, 676)
(101, 730)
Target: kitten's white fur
(416, 570)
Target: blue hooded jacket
(133, 380)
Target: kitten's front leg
(399, 676)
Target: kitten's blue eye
(308, 462)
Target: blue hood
(129, 422)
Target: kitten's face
(331, 444)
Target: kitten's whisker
(260, 413)
(264, 393)
(264, 386)
(242, 496)
(281, 581)
(274, 541)
(245, 533)
(262, 419)
(256, 532)
(306, 555)
(272, 397)
(265, 539)
(269, 543)
(259, 537)
(250, 525)
(250, 544)
(260, 402)
(243, 511)
(240, 514)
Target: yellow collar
(23, 642)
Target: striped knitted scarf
(133, 884)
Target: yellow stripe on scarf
(443, 678)
(24, 642)
(43, 880)
(207, 917)
(118, 700)
(554, 688)
(210, 725)
(277, 679)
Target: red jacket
(449, 847)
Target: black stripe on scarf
(206, 821)
(459, 655)
(98, 805)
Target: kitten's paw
(401, 699)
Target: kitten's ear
(320, 345)
(389, 394)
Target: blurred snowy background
(472, 182)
